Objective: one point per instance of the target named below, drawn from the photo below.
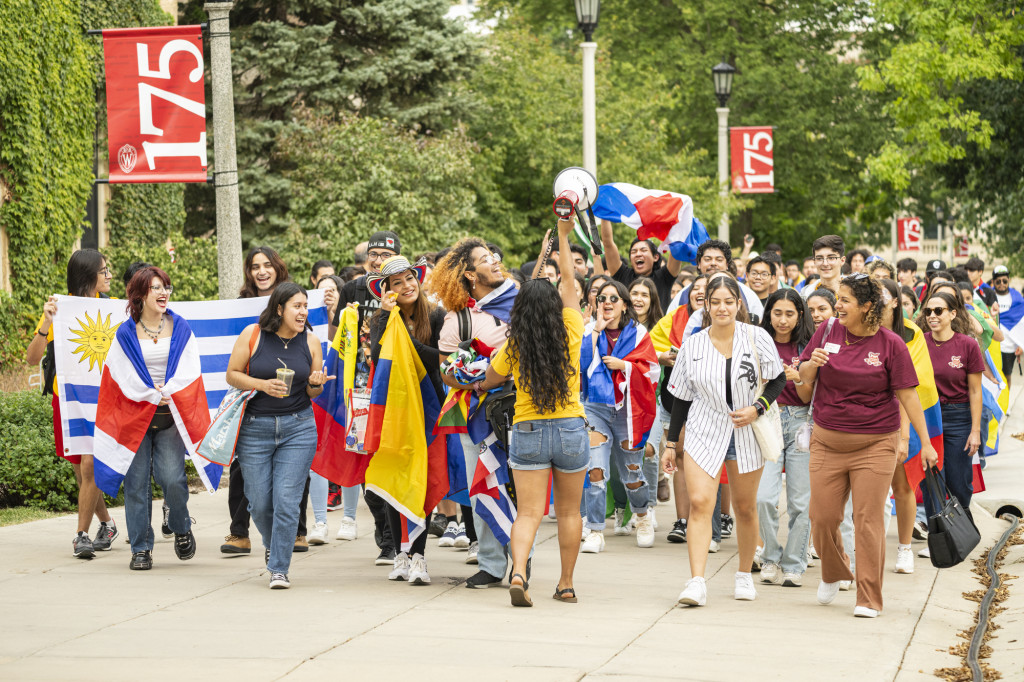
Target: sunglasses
(612, 298)
(856, 277)
(937, 312)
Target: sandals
(518, 592)
(559, 595)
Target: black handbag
(951, 533)
(500, 410)
(162, 419)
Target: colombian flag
(929, 396)
(330, 408)
(409, 467)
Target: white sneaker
(695, 593)
(318, 535)
(744, 590)
(827, 592)
(450, 533)
(654, 519)
(418, 571)
(791, 579)
(924, 553)
(645, 530)
(621, 527)
(904, 559)
(865, 612)
(401, 570)
(594, 543)
(585, 533)
(845, 585)
(714, 546)
(461, 539)
(347, 530)
(472, 554)
(771, 573)
(758, 562)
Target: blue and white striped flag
(84, 329)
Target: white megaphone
(576, 188)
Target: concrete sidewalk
(214, 618)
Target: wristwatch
(670, 444)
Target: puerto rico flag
(633, 388)
(654, 213)
(128, 399)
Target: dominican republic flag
(1012, 320)
(128, 399)
(929, 396)
(489, 490)
(408, 467)
(83, 334)
(633, 388)
(653, 213)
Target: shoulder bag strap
(465, 325)
(253, 338)
(810, 406)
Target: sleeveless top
(264, 364)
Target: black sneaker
(678, 532)
(438, 524)
(105, 535)
(141, 561)
(165, 529)
(386, 557)
(727, 525)
(185, 545)
(82, 546)
(482, 580)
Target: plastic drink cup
(286, 375)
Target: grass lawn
(11, 516)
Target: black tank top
(264, 364)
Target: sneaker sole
(419, 581)
(231, 549)
(140, 568)
(904, 571)
(344, 538)
(300, 549)
(790, 583)
(485, 586)
(461, 546)
(383, 562)
(186, 557)
(689, 601)
(472, 561)
(445, 543)
(676, 539)
(646, 544)
(279, 586)
(744, 597)
(85, 554)
(398, 578)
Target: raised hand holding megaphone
(575, 189)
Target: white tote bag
(767, 427)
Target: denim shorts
(730, 452)
(560, 444)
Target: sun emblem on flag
(93, 339)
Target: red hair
(138, 288)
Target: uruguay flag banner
(632, 388)
(83, 334)
(654, 214)
(333, 460)
(128, 399)
(409, 465)
(1012, 320)
(929, 396)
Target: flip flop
(518, 592)
(559, 595)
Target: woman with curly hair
(549, 432)
(866, 374)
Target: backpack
(500, 405)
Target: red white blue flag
(654, 214)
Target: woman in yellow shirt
(549, 432)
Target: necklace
(284, 342)
(852, 343)
(153, 334)
(939, 344)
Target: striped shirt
(699, 376)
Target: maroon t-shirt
(952, 361)
(856, 389)
(788, 353)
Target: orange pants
(863, 464)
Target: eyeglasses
(162, 290)
(831, 260)
(104, 271)
(937, 312)
(758, 275)
(611, 298)
(378, 255)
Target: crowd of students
(639, 376)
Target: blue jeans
(318, 486)
(957, 467)
(652, 464)
(541, 444)
(275, 454)
(491, 554)
(796, 462)
(612, 424)
(162, 455)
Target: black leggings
(395, 521)
(467, 518)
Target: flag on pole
(654, 214)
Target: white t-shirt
(1006, 345)
(156, 355)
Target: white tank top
(155, 355)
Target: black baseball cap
(934, 265)
(385, 240)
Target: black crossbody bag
(951, 533)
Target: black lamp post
(722, 75)
(587, 12)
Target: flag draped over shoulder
(409, 465)
(1012, 320)
(632, 389)
(929, 396)
(128, 399)
(665, 216)
(330, 409)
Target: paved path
(214, 617)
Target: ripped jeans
(610, 423)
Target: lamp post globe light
(587, 12)
(721, 75)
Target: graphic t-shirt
(856, 388)
(952, 361)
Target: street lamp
(722, 75)
(587, 12)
